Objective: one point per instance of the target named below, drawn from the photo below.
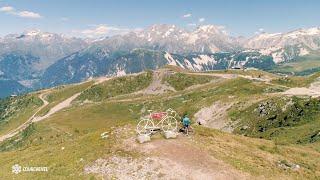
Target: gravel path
(64, 104)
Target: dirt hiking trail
(165, 159)
(26, 123)
(64, 104)
(157, 86)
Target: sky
(93, 18)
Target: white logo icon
(16, 169)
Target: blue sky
(107, 17)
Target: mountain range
(36, 59)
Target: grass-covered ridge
(297, 81)
(181, 81)
(117, 86)
(286, 120)
(247, 72)
(15, 111)
(19, 140)
(70, 139)
(259, 157)
(60, 93)
(191, 101)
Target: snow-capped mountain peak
(286, 46)
(211, 29)
(32, 32)
(48, 47)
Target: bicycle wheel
(144, 127)
(169, 124)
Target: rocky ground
(164, 159)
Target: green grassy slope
(117, 86)
(60, 93)
(286, 120)
(180, 81)
(15, 111)
(70, 139)
(296, 81)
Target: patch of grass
(54, 144)
(296, 81)
(191, 101)
(15, 111)
(285, 120)
(258, 157)
(117, 86)
(181, 81)
(17, 141)
(61, 93)
(253, 73)
(70, 139)
(176, 68)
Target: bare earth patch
(157, 86)
(215, 116)
(64, 104)
(164, 159)
(313, 90)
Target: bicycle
(167, 121)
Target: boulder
(170, 134)
(143, 138)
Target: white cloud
(28, 14)
(261, 29)
(23, 14)
(102, 30)
(6, 9)
(187, 15)
(202, 19)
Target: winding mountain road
(64, 104)
(58, 107)
(26, 123)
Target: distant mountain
(9, 87)
(286, 46)
(48, 47)
(83, 65)
(23, 57)
(212, 39)
(37, 59)
(18, 66)
(204, 39)
(86, 64)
